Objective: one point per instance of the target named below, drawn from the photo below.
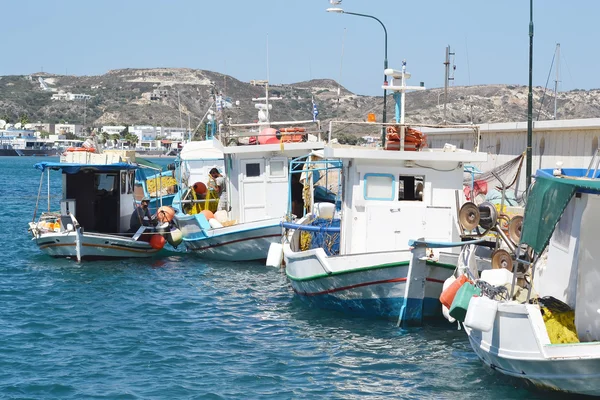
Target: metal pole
(385, 65)
(557, 76)
(530, 98)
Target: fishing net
(328, 241)
(486, 184)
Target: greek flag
(315, 110)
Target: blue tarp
(69, 168)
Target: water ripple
(183, 328)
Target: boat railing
(403, 129)
(286, 131)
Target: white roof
(200, 150)
(424, 155)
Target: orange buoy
(199, 188)
(157, 242)
(447, 296)
(208, 214)
(165, 214)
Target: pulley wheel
(489, 215)
(514, 228)
(468, 216)
(502, 259)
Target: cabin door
(253, 194)
(390, 227)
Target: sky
(288, 41)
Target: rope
(38, 198)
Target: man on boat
(141, 216)
(218, 185)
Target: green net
(545, 204)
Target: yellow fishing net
(155, 185)
(305, 239)
(560, 326)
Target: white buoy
(275, 255)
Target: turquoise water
(182, 328)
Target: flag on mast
(315, 110)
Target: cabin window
(410, 188)
(252, 170)
(123, 182)
(131, 182)
(105, 182)
(277, 169)
(379, 187)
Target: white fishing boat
(545, 328)
(95, 211)
(389, 196)
(254, 201)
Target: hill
(167, 96)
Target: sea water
(177, 327)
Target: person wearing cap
(141, 216)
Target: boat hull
(93, 246)
(10, 152)
(518, 346)
(369, 284)
(241, 242)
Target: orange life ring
(81, 149)
(292, 130)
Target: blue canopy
(71, 168)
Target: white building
(70, 96)
(112, 129)
(143, 132)
(172, 133)
(63, 129)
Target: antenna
(267, 83)
(557, 75)
(449, 76)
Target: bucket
(325, 210)
(497, 277)
(481, 313)
(447, 296)
(460, 305)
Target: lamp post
(385, 63)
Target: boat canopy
(548, 199)
(71, 168)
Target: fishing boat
(540, 321)
(360, 260)
(255, 173)
(95, 210)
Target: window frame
(365, 184)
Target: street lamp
(338, 10)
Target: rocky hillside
(167, 96)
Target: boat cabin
(391, 197)
(258, 177)
(101, 197)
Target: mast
(557, 75)
(530, 99)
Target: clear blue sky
(490, 38)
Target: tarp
(70, 168)
(547, 201)
(142, 162)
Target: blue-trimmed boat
(95, 212)
(389, 197)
